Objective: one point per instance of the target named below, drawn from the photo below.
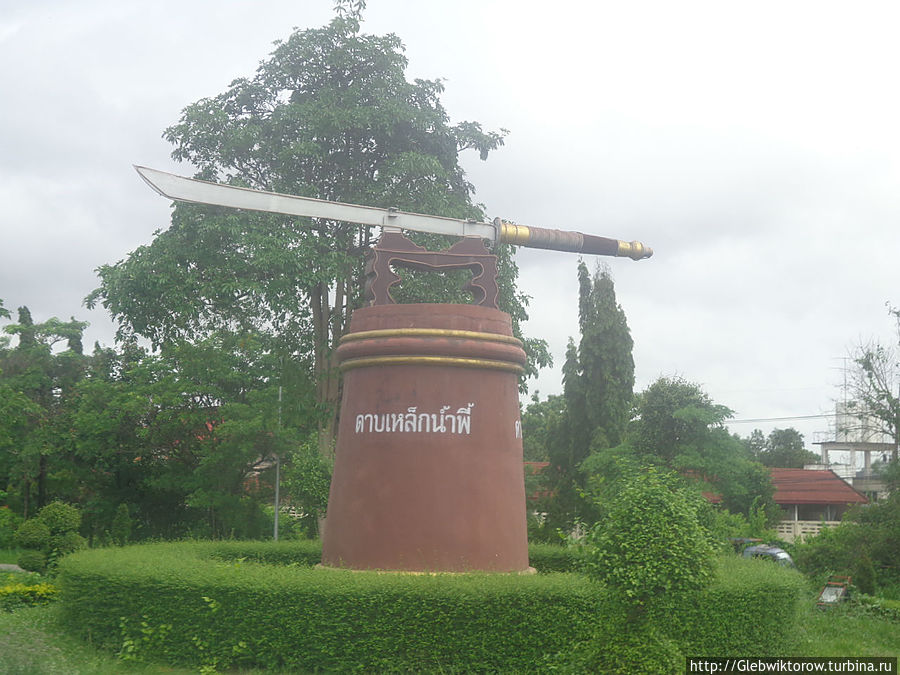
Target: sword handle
(565, 240)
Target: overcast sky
(753, 146)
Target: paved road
(10, 568)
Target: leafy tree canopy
(680, 427)
(36, 389)
(541, 419)
(783, 448)
(330, 114)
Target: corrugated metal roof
(807, 486)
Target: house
(811, 499)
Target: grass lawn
(846, 631)
(31, 642)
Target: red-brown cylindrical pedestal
(428, 472)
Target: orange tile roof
(808, 486)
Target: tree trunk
(42, 482)
(327, 377)
(26, 491)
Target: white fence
(793, 530)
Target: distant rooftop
(806, 486)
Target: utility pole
(278, 470)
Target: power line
(780, 419)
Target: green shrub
(51, 534)
(66, 542)
(32, 561)
(864, 574)
(15, 595)
(60, 518)
(218, 604)
(650, 544)
(833, 551)
(33, 534)
(881, 607)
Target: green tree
(307, 477)
(598, 381)
(675, 418)
(330, 114)
(37, 384)
(540, 419)
(756, 443)
(120, 530)
(187, 437)
(784, 448)
(680, 427)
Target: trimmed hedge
(220, 604)
(750, 610)
(554, 558)
(187, 603)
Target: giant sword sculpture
(203, 192)
(428, 472)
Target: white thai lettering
(412, 421)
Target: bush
(15, 595)
(33, 534)
(651, 543)
(32, 561)
(881, 607)
(66, 542)
(215, 604)
(49, 536)
(60, 518)
(866, 545)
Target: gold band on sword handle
(430, 332)
(484, 364)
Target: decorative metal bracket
(395, 250)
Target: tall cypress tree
(605, 363)
(598, 383)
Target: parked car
(766, 552)
(740, 543)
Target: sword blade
(197, 191)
